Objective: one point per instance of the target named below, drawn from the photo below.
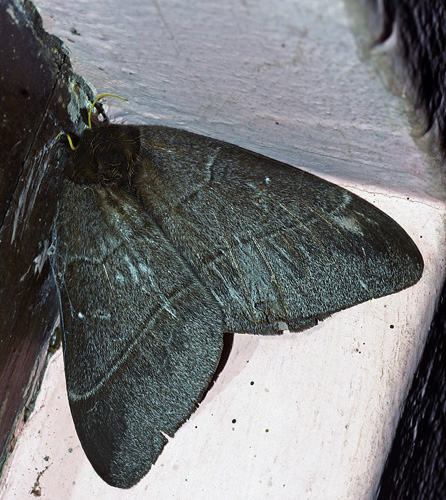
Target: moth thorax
(106, 155)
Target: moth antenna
(71, 143)
(89, 117)
(69, 140)
(96, 100)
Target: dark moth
(164, 240)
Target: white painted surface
(282, 79)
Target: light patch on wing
(103, 248)
(349, 224)
(347, 197)
(102, 315)
(144, 268)
(108, 278)
(233, 292)
(212, 158)
(166, 306)
(40, 259)
(282, 326)
(132, 268)
(366, 288)
(147, 275)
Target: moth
(163, 241)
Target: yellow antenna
(96, 100)
(69, 140)
(89, 117)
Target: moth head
(106, 155)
